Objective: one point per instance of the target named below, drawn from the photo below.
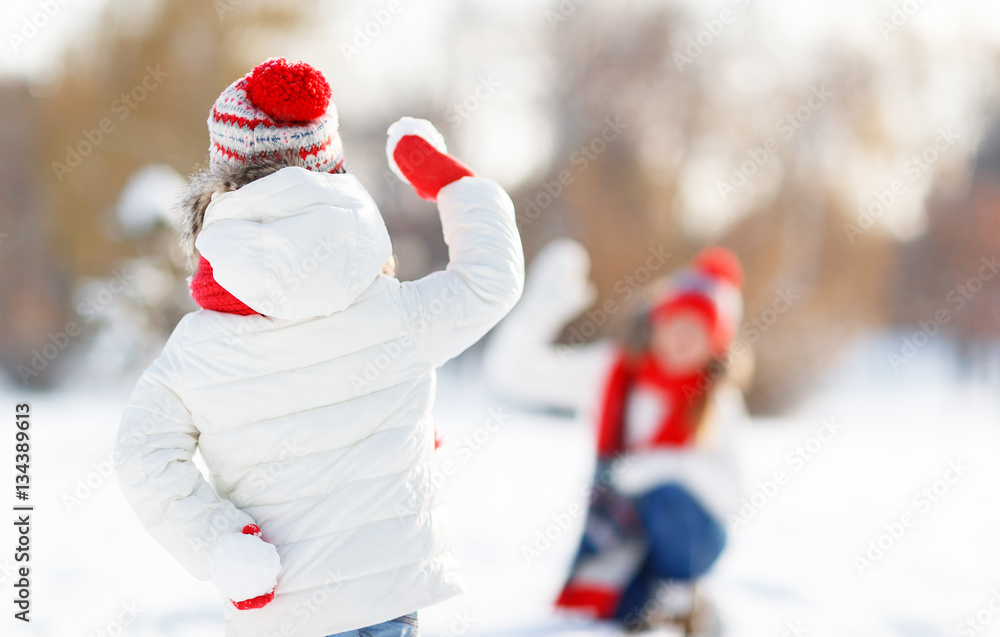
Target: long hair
(636, 342)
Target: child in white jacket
(307, 379)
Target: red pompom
(251, 529)
(721, 264)
(288, 92)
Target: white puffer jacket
(315, 420)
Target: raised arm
(523, 361)
(450, 310)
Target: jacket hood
(295, 244)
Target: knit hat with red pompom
(278, 107)
(711, 286)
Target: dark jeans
(684, 541)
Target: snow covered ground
(514, 475)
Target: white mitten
(245, 568)
(558, 284)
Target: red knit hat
(711, 287)
(279, 106)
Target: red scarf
(209, 295)
(678, 427)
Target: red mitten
(245, 568)
(417, 154)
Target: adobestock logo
(367, 33)
(914, 167)
(122, 106)
(901, 14)
(957, 299)
(695, 45)
(581, 158)
(785, 128)
(894, 531)
(89, 310)
(561, 522)
(460, 111)
(562, 12)
(32, 25)
(127, 616)
(979, 620)
(795, 460)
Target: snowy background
(793, 564)
(518, 88)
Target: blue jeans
(684, 542)
(405, 626)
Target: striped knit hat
(276, 108)
(712, 286)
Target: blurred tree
(134, 89)
(948, 280)
(666, 136)
(148, 72)
(34, 288)
(733, 142)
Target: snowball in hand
(411, 126)
(244, 566)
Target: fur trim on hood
(296, 243)
(217, 180)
